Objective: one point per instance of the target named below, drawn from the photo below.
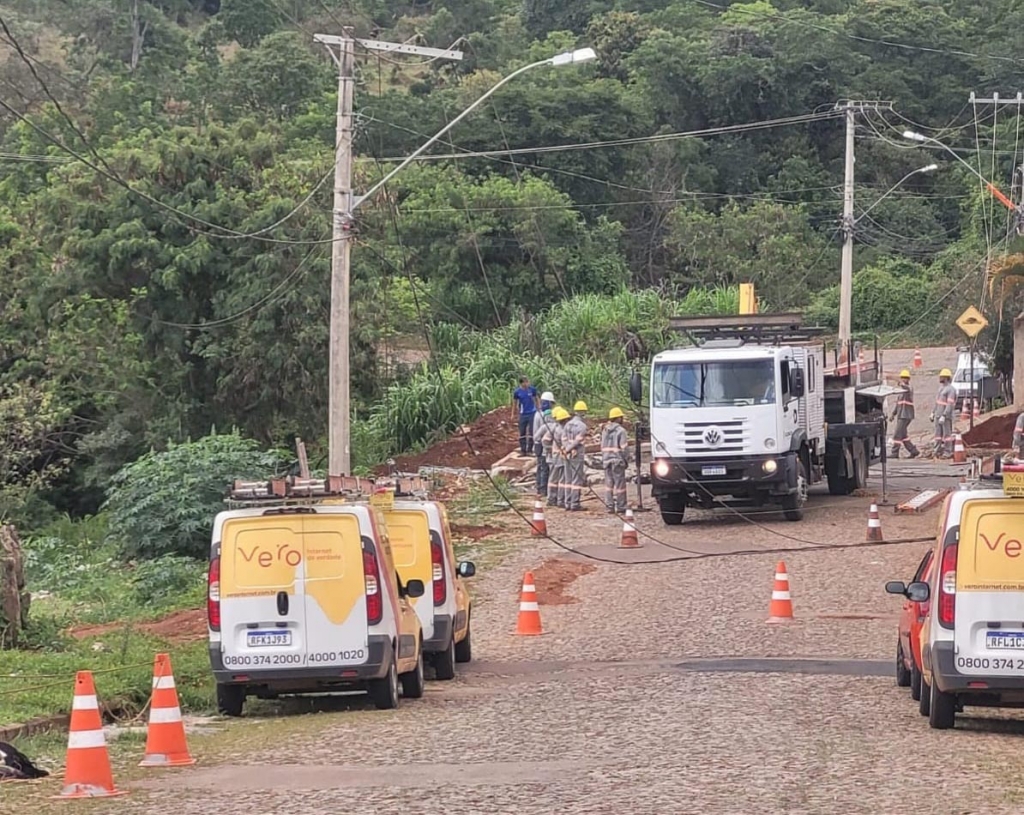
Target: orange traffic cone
(88, 773)
(918, 362)
(630, 540)
(781, 608)
(539, 525)
(165, 737)
(874, 525)
(965, 411)
(977, 409)
(529, 611)
(959, 453)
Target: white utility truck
(753, 414)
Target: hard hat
(547, 396)
(560, 413)
(580, 407)
(615, 413)
(904, 374)
(945, 372)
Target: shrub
(164, 502)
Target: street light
(566, 58)
(928, 169)
(922, 139)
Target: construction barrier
(630, 540)
(874, 525)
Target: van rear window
(991, 553)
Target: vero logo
(266, 557)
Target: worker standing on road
(614, 451)
(573, 443)
(903, 416)
(524, 406)
(542, 426)
(942, 415)
(556, 473)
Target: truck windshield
(705, 384)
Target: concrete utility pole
(850, 109)
(339, 416)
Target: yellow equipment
(560, 413)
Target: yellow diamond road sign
(972, 322)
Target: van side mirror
(918, 592)
(467, 568)
(796, 382)
(636, 388)
(896, 587)
(415, 588)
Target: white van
(972, 641)
(304, 597)
(422, 545)
(962, 375)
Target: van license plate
(713, 469)
(1004, 640)
(268, 639)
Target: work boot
(915, 453)
(895, 452)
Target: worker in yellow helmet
(614, 459)
(573, 442)
(556, 459)
(903, 415)
(943, 414)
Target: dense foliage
(165, 194)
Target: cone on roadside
(781, 608)
(529, 611)
(977, 409)
(165, 736)
(87, 773)
(959, 453)
(630, 539)
(918, 362)
(965, 411)
(539, 524)
(874, 525)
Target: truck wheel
(915, 684)
(413, 683)
(444, 662)
(860, 467)
(902, 674)
(793, 505)
(942, 709)
(464, 649)
(672, 508)
(384, 691)
(230, 700)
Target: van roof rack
(404, 487)
(776, 328)
(293, 488)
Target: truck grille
(714, 438)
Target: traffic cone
(539, 525)
(918, 362)
(165, 736)
(529, 612)
(630, 540)
(88, 773)
(874, 524)
(977, 409)
(959, 453)
(781, 608)
(965, 411)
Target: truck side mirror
(796, 382)
(636, 388)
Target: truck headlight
(770, 466)
(661, 467)
(769, 443)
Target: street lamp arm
(930, 168)
(921, 138)
(580, 55)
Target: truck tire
(384, 691)
(793, 505)
(672, 508)
(942, 710)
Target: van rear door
(263, 615)
(988, 632)
(335, 590)
(409, 531)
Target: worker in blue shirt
(524, 406)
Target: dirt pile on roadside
(553, 579)
(493, 436)
(179, 626)
(996, 432)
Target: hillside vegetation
(165, 200)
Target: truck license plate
(1004, 640)
(268, 639)
(713, 469)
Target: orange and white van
(422, 543)
(304, 597)
(972, 640)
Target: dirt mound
(493, 436)
(180, 626)
(996, 432)
(553, 579)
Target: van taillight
(440, 581)
(213, 595)
(947, 587)
(374, 599)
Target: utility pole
(339, 411)
(850, 110)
